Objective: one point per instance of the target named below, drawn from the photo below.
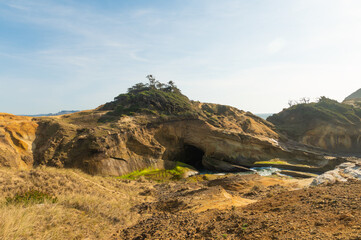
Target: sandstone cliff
(17, 135)
(227, 140)
(155, 128)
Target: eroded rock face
(17, 135)
(334, 138)
(227, 142)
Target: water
(264, 115)
(266, 171)
(262, 171)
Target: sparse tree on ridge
(154, 84)
(291, 103)
(152, 81)
(137, 87)
(304, 100)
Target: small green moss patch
(160, 175)
(279, 162)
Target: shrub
(31, 197)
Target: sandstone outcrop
(17, 135)
(229, 141)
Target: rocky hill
(155, 126)
(62, 112)
(354, 99)
(327, 124)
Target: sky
(254, 55)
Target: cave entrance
(193, 156)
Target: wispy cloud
(250, 50)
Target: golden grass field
(87, 207)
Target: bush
(31, 197)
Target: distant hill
(355, 95)
(63, 112)
(354, 99)
(327, 124)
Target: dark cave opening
(192, 155)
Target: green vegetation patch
(31, 197)
(160, 175)
(279, 162)
(154, 98)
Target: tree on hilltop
(154, 84)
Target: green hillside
(154, 98)
(300, 118)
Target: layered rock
(17, 135)
(227, 142)
(151, 127)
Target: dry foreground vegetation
(81, 206)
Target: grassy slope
(87, 206)
(151, 101)
(298, 119)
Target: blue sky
(255, 55)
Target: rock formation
(17, 135)
(342, 173)
(150, 127)
(327, 124)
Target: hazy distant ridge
(53, 114)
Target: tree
(322, 98)
(171, 84)
(137, 88)
(304, 100)
(173, 87)
(291, 103)
(152, 81)
(159, 85)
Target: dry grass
(88, 207)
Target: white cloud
(226, 48)
(276, 45)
